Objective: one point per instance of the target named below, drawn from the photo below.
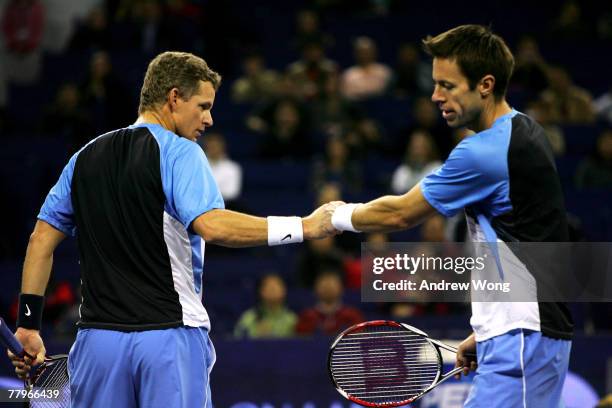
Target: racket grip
(9, 340)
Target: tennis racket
(386, 364)
(47, 385)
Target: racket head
(383, 363)
(52, 374)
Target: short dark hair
(173, 69)
(478, 52)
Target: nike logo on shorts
(286, 236)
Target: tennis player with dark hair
(142, 203)
(505, 179)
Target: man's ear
(486, 86)
(172, 98)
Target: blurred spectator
(412, 76)
(365, 139)
(570, 24)
(257, 84)
(93, 33)
(106, 96)
(529, 75)
(333, 113)
(604, 25)
(227, 173)
(66, 118)
(261, 118)
(434, 229)
(605, 402)
(541, 111)
(420, 159)
(22, 27)
(317, 256)
(569, 103)
(270, 318)
(184, 9)
(352, 265)
(338, 167)
(596, 171)
(603, 106)
(287, 136)
(308, 30)
(322, 254)
(153, 30)
(426, 117)
(311, 72)
(368, 78)
(329, 316)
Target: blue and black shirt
(130, 197)
(506, 180)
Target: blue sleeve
(57, 208)
(194, 191)
(467, 177)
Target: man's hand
(33, 345)
(466, 355)
(318, 224)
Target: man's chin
(452, 123)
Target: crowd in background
(312, 109)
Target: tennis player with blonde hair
(142, 203)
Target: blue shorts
(155, 368)
(519, 369)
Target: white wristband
(284, 230)
(341, 219)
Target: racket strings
(52, 376)
(384, 364)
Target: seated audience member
(329, 316)
(66, 118)
(365, 138)
(367, 78)
(426, 117)
(529, 76)
(603, 106)
(227, 173)
(352, 265)
(308, 30)
(541, 111)
(569, 103)
(317, 256)
(257, 84)
(270, 318)
(332, 113)
(412, 76)
(420, 159)
(596, 172)
(338, 167)
(105, 95)
(312, 70)
(22, 28)
(434, 229)
(287, 136)
(93, 33)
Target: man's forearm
(392, 213)
(232, 229)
